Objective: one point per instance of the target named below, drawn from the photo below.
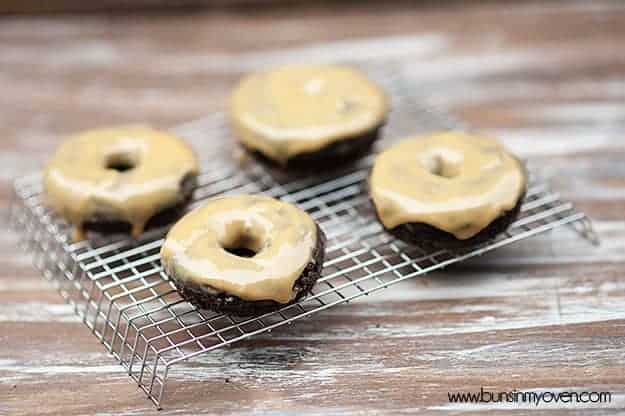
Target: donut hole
(444, 166)
(241, 251)
(242, 245)
(121, 162)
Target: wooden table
(545, 314)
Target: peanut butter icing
(300, 109)
(456, 182)
(282, 236)
(126, 173)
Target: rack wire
(119, 290)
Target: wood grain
(544, 314)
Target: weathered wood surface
(544, 314)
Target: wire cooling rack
(118, 288)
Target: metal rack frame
(119, 290)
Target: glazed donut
(447, 190)
(121, 174)
(244, 254)
(300, 115)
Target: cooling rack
(119, 290)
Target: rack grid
(119, 290)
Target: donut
(119, 178)
(447, 190)
(244, 254)
(297, 116)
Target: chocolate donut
(448, 190)
(244, 254)
(109, 178)
(298, 116)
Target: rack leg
(585, 229)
